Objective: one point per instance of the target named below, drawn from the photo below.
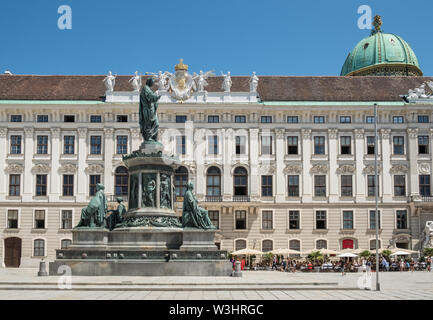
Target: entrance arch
(12, 247)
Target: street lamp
(376, 180)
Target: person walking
(428, 264)
(412, 265)
(342, 267)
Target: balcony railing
(241, 198)
(427, 198)
(213, 199)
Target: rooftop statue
(192, 215)
(227, 82)
(136, 81)
(148, 115)
(254, 81)
(94, 214)
(109, 81)
(201, 79)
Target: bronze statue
(148, 116)
(93, 215)
(192, 215)
(116, 216)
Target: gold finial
(181, 66)
(377, 23)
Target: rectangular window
(15, 144)
(95, 144)
(122, 144)
(319, 145)
(213, 119)
(69, 144)
(320, 186)
(14, 185)
(371, 185)
(68, 185)
(95, 118)
(42, 118)
(180, 145)
(16, 118)
(266, 119)
(345, 145)
(41, 185)
(39, 219)
(12, 219)
(400, 185)
(373, 219)
(292, 119)
(122, 118)
(345, 119)
(423, 119)
(369, 119)
(348, 220)
(66, 219)
(241, 219)
(240, 119)
(346, 186)
(213, 144)
(423, 144)
(68, 118)
(240, 144)
(294, 220)
(401, 219)
(94, 179)
(398, 142)
(292, 145)
(293, 186)
(321, 219)
(267, 223)
(424, 185)
(370, 145)
(180, 119)
(42, 144)
(214, 218)
(319, 119)
(267, 186)
(397, 119)
(39, 248)
(266, 145)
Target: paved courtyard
(254, 285)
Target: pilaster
(280, 184)
(108, 160)
(28, 157)
(254, 161)
(386, 182)
(359, 158)
(4, 147)
(306, 165)
(81, 175)
(332, 153)
(412, 134)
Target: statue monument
(192, 215)
(93, 216)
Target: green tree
(365, 254)
(386, 254)
(428, 252)
(315, 256)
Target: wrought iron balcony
(241, 198)
(213, 199)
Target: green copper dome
(381, 54)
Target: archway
(12, 252)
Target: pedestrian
(412, 265)
(368, 266)
(428, 264)
(342, 267)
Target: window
(68, 144)
(122, 118)
(122, 144)
(65, 243)
(66, 219)
(348, 220)
(292, 119)
(240, 244)
(293, 186)
(400, 185)
(213, 144)
(14, 185)
(121, 181)
(321, 244)
(370, 145)
(295, 245)
(41, 185)
(321, 219)
(42, 144)
(345, 119)
(345, 145)
(180, 145)
(319, 145)
(214, 218)
(266, 119)
(397, 119)
(346, 186)
(294, 222)
(240, 119)
(241, 219)
(401, 219)
(320, 186)
(371, 186)
(15, 144)
(12, 219)
(95, 118)
(240, 182)
(267, 245)
(39, 248)
(180, 181)
(213, 119)
(373, 244)
(267, 223)
(16, 118)
(180, 119)
(267, 186)
(373, 219)
(94, 179)
(319, 119)
(369, 119)
(423, 119)
(266, 145)
(42, 118)
(213, 182)
(95, 144)
(39, 219)
(292, 145)
(424, 185)
(68, 118)
(240, 144)
(68, 185)
(398, 144)
(423, 144)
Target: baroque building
(278, 161)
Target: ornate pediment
(292, 169)
(399, 168)
(41, 168)
(424, 168)
(68, 168)
(345, 169)
(94, 168)
(319, 168)
(369, 169)
(267, 169)
(15, 168)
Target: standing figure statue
(192, 215)
(254, 81)
(148, 116)
(162, 80)
(201, 79)
(116, 216)
(165, 201)
(109, 81)
(227, 82)
(136, 82)
(148, 195)
(93, 215)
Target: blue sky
(271, 37)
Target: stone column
(55, 179)
(333, 177)
(82, 155)
(386, 182)
(280, 152)
(28, 157)
(227, 163)
(359, 182)
(307, 186)
(413, 171)
(254, 162)
(200, 155)
(4, 147)
(108, 160)
(135, 139)
(189, 141)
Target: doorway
(12, 252)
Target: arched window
(213, 182)
(39, 248)
(240, 180)
(295, 245)
(321, 244)
(240, 244)
(373, 244)
(65, 243)
(121, 181)
(267, 245)
(180, 181)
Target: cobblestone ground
(18, 284)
